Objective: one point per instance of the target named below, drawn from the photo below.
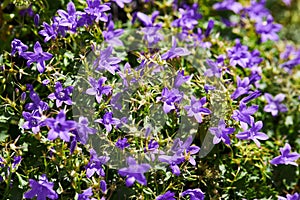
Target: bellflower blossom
(108, 121)
(274, 104)
(244, 113)
(105, 62)
(98, 88)
(180, 79)
(18, 46)
(95, 164)
(257, 10)
(37, 104)
(148, 21)
(214, 69)
(86, 194)
(94, 12)
(103, 186)
(60, 127)
(243, 87)
(287, 52)
(267, 29)
(286, 157)
(196, 108)
(170, 99)
(195, 194)
(188, 18)
(61, 95)
(175, 51)
(38, 56)
(239, 55)
(252, 133)
(295, 196)
(134, 172)
(289, 65)
(228, 5)
(82, 130)
(221, 132)
(49, 31)
(121, 3)
(17, 161)
(33, 121)
(69, 18)
(122, 143)
(166, 196)
(111, 35)
(42, 189)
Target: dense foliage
(124, 99)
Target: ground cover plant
(124, 99)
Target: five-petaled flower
(252, 133)
(135, 172)
(195, 194)
(221, 133)
(60, 127)
(98, 88)
(122, 143)
(62, 95)
(108, 121)
(275, 104)
(170, 98)
(175, 51)
(95, 164)
(38, 56)
(196, 109)
(42, 189)
(286, 157)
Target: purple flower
(98, 88)
(254, 61)
(257, 11)
(94, 12)
(62, 95)
(36, 19)
(214, 69)
(210, 26)
(180, 79)
(151, 35)
(17, 161)
(173, 161)
(170, 99)
(286, 157)
(69, 19)
(267, 29)
(105, 62)
(108, 121)
(120, 3)
(221, 133)
(111, 35)
(196, 109)
(188, 18)
(252, 95)
(82, 130)
(42, 189)
(103, 186)
(228, 5)
(274, 104)
(18, 46)
(244, 113)
(146, 20)
(27, 11)
(37, 56)
(208, 87)
(175, 51)
(86, 194)
(243, 87)
(49, 31)
(122, 143)
(252, 133)
(34, 121)
(287, 2)
(294, 196)
(95, 164)
(60, 127)
(195, 194)
(287, 52)
(135, 172)
(239, 55)
(166, 196)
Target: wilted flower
(18, 46)
(134, 172)
(41, 189)
(286, 157)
